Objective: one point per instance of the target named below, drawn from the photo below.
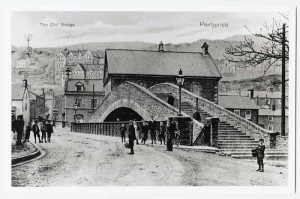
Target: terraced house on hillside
(70, 58)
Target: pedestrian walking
(44, 131)
(177, 134)
(144, 132)
(168, 136)
(49, 128)
(19, 127)
(260, 155)
(27, 131)
(162, 132)
(136, 131)
(131, 136)
(152, 127)
(171, 129)
(13, 123)
(36, 131)
(122, 132)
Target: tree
(274, 51)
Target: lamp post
(75, 106)
(180, 81)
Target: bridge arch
(127, 103)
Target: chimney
(205, 48)
(240, 92)
(68, 71)
(160, 47)
(271, 89)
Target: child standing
(260, 155)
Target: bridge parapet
(217, 111)
(136, 97)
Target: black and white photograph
(151, 98)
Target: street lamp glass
(180, 78)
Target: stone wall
(206, 88)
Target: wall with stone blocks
(136, 97)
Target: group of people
(168, 133)
(44, 126)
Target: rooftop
(147, 62)
(87, 83)
(237, 102)
(270, 112)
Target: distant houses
(240, 105)
(267, 103)
(84, 64)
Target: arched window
(79, 86)
(197, 88)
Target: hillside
(43, 74)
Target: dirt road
(91, 160)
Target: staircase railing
(247, 126)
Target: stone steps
(267, 157)
(230, 139)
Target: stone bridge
(137, 98)
(143, 102)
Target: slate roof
(167, 63)
(269, 112)
(95, 67)
(87, 83)
(262, 94)
(237, 102)
(82, 52)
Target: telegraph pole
(283, 84)
(93, 103)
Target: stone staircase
(232, 141)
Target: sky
(151, 27)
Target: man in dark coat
(27, 132)
(44, 131)
(144, 132)
(49, 128)
(36, 131)
(152, 126)
(123, 131)
(19, 125)
(197, 115)
(131, 136)
(260, 155)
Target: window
(79, 86)
(79, 103)
(270, 118)
(270, 127)
(95, 103)
(248, 114)
(237, 112)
